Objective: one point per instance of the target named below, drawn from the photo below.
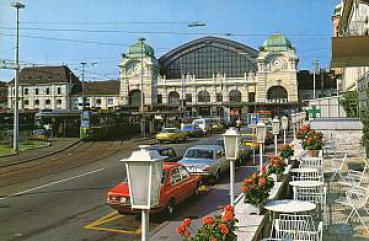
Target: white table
(303, 170)
(306, 184)
(289, 206)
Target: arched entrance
(135, 98)
(203, 96)
(173, 98)
(277, 94)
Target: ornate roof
(206, 41)
(276, 43)
(135, 50)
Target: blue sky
(307, 23)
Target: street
(43, 202)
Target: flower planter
(274, 176)
(251, 209)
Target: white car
(206, 160)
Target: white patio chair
(356, 178)
(317, 195)
(295, 230)
(337, 166)
(356, 199)
(307, 218)
(277, 239)
(308, 176)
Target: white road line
(53, 183)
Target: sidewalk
(57, 145)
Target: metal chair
(356, 199)
(337, 166)
(308, 176)
(317, 195)
(356, 178)
(296, 230)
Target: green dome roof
(135, 50)
(277, 42)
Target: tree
(350, 103)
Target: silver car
(205, 160)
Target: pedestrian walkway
(56, 145)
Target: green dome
(277, 42)
(135, 50)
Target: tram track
(80, 155)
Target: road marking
(53, 183)
(109, 218)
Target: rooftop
(98, 88)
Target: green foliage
(350, 103)
(365, 121)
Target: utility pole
(315, 64)
(143, 125)
(18, 6)
(83, 65)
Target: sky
(98, 32)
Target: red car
(176, 186)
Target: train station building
(212, 76)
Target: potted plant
(276, 166)
(286, 152)
(313, 142)
(302, 132)
(220, 227)
(256, 190)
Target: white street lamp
(275, 128)
(144, 170)
(284, 121)
(260, 139)
(232, 153)
(293, 121)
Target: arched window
(235, 96)
(173, 98)
(135, 98)
(277, 94)
(203, 96)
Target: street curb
(41, 156)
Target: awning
(350, 51)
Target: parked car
(176, 185)
(168, 152)
(192, 130)
(216, 127)
(204, 124)
(219, 142)
(206, 160)
(171, 135)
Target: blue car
(192, 130)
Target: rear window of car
(199, 153)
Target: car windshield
(219, 142)
(199, 153)
(197, 122)
(168, 130)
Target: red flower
(263, 169)
(247, 181)
(208, 220)
(244, 188)
(228, 215)
(181, 229)
(186, 222)
(187, 234)
(228, 207)
(223, 229)
(214, 239)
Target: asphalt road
(43, 203)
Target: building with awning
(350, 44)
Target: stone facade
(236, 76)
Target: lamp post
(284, 121)
(144, 170)
(17, 6)
(143, 121)
(293, 121)
(260, 139)
(232, 153)
(275, 129)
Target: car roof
(208, 147)
(170, 128)
(169, 165)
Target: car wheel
(169, 210)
